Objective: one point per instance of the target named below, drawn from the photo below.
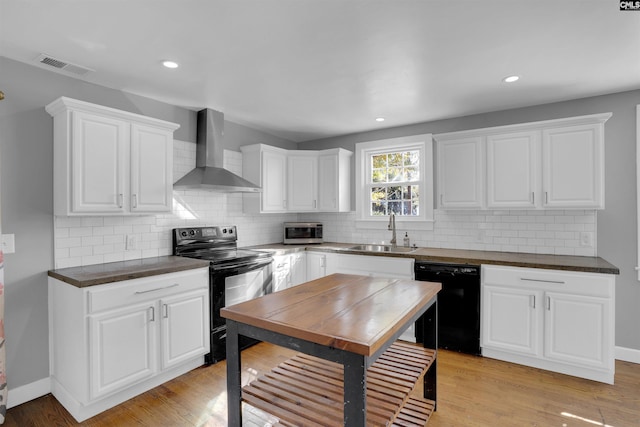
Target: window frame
(363, 150)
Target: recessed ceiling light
(511, 79)
(170, 64)
(380, 119)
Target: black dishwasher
(458, 304)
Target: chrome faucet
(392, 227)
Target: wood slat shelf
(308, 391)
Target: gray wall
(26, 172)
(616, 228)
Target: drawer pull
(157, 289)
(560, 282)
(152, 317)
(532, 301)
(166, 311)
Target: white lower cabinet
(556, 320)
(320, 264)
(111, 342)
(289, 270)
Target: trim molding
(19, 395)
(628, 354)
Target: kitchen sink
(382, 248)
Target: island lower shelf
(308, 391)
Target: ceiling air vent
(63, 65)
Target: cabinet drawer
(104, 297)
(592, 284)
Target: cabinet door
(511, 320)
(573, 164)
(575, 329)
(98, 165)
(122, 348)
(281, 272)
(298, 273)
(460, 172)
(328, 183)
(302, 177)
(151, 169)
(274, 174)
(185, 332)
(316, 265)
(512, 170)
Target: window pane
(379, 175)
(395, 193)
(378, 193)
(395, 159)
(394, 174)
(411, 158)
(411, 174)
(395, 207)
(379, 161)
(379, 208)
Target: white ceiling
(307, 69)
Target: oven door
(233, 284)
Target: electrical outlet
(132, 243)
(8, 243)
(586, 239)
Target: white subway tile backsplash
(91, 240)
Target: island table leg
(355, 390)
(234, 378)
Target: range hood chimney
(209, 173)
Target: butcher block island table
(351, 369)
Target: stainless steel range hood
(209, 173)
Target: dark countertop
(459, 256)
(99, 274)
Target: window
(394, 176)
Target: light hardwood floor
(472, 391)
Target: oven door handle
(249, 265)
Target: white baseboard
(628, 354)
(19, 395)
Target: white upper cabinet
(266, 166)
(554, 164)
(110, 162)
(573, 174)
(302, 182)
(334, 180)
(296, 180)
(513, 163)
(151, 169)
(460, 173)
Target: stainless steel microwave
(297, 233)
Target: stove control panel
(205, 233)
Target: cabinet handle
(549, 303)
(157, 289)
(152, 316)
(284, 203)
(165, 311)
(546, 197)
(120, 200)
(135, 201)
(532, 301)
(314, 204)
(533, 197)
(560, 282)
